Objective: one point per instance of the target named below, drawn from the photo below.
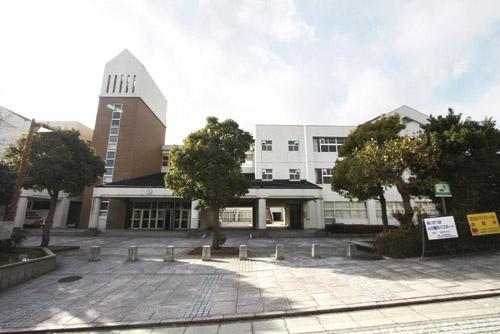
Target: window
(114, 84)
(107, 85)
(327, 144)
(267, 145)
(164, 160)
(323, 175)
(344, 209)
(267, 174)
(133, 84)
(116, 114)
(293, 145)
(392, 207)
(110, 162)
(113, 139)
(111, 154)
(428, 207)
(294, 174)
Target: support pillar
(195, 216)
(371, 212)
(261, 214)
(61, 214)
(22, 205)
(94, 213)
(320, 222)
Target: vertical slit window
(133, 85)
(126, 85)
(109, 81)
(114, 84)
(121, 83)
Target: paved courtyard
(114, 292)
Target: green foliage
(7, 183)
(397, 162)
(399, 243)
(380, 130)
(220, 239)
(208, 166)
(58, 161)
(469, 161)
(349, 176)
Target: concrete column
(320, 222)
(61, 213)
(132, 254)
(243, 252)
(205, 253)
(95, 254)
(94, 213)
(371, 211)
(22, 204)
(280, 252)
(195, 216)
(169, 253)
(351, 251)
(261, 214)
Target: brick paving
(114, 292)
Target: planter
(15, 273)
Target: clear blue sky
(297, 62)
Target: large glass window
(160, 215)
(116, 114)
(344, 209)
(392, 207)
(328, 144)
(323, 175)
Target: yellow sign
(483, 223)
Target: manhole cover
(68, 279)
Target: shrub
(399, 243)
(220, 239)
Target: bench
(353, 246)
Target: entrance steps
(60, 232)
(275, 233)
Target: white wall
(12, 127)
(127, 64)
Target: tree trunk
(407, 217)
(215, 228)
(383, 205)
(50, 219)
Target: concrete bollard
(132, 254)
(95, 254)
(280, 252)
(169, 253)
(315, 253)
(243, 252)
(351, 251)
(206, 254)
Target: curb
(260, 315)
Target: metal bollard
(206, 254)
(351, 251)
(95, 254)
(169, 253)
(132, 254)
(315, 253)
(280, 252)
(243, 252)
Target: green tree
(398, 162)
(208, 168)
(59, 161)
(349, 178)
(469, 160)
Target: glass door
(181, 220)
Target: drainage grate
(68, 279)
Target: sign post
(483, 223)
(439, 228)
(442, 189)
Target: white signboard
(441, 228)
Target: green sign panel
(442, 189)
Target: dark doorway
(295, 216)
(74, 214)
